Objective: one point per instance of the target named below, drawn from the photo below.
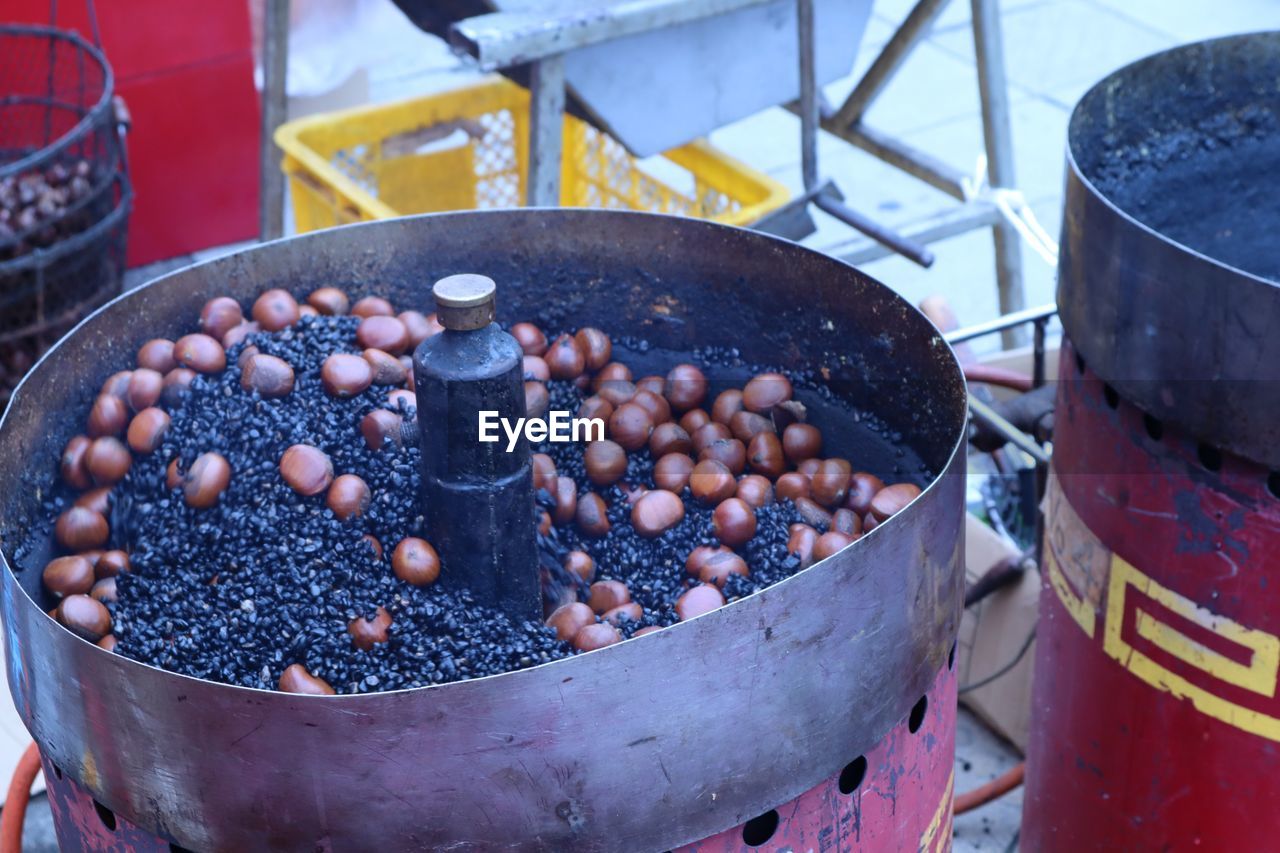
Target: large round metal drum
(819, 710)
(1155, 715)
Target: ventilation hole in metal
(1210, 456)
(916, 720)
(760, 829)
(1112, 398)
(1079, 363)
(178, 848)
(951, 658)
(1273, 484)
(106, 815)
(852, 774)
(1154, 427)
(57, 771)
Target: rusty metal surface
(902, 790)
(1155, 718)
(1187, 336)
(706, 723)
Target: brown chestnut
(297, 679)
(734, 522)
(755, 491)
(535, 369)
(728, 452)
(616, 391)
(764, 455)
(85, 617)
(117, 384)
(307, 311)
(530, 338)
(653, 384)
(367, 633)
(711, 482)
(98, 500)
(727, 404)
(348, 497)
(306, 469)
(147, 430)
(419, 326)
(685, 387)
(592, 517)
(345, 375)
(606, 595)
(813, 513)
(809, 467)
(536, 399)
(829, 543)
(580, 564)
(629, 612)
(275, 309)
(708, 433)
(385, 333)
(719, 566)
(801, 442)
(109, 416)
(373, 306)
(219, 316)
(694, 419)
(569, 619)
(415, 562)
(380, 427)
(157, 354)
(831, 482)
(657, 512)
(400, 398)
(111, 564)
(177, 383)
(747, 425)
(200, 353)
(565, 358)
(765, 391)
(656, 405)
(650, 629)
(595, 636)
(596, 407)
(847, 521)
(614, 371)
(75, 473)
(605, 462)
(544, 472)
(792, 486)
(109, 643)
(108, 460)
(801, 542)
(862, 488)
(145, 387)
(68, 576)
(104, 590)
(268, 375)
(702, 598)
(566, 495)
(888, 501)
(238, 333)
(374, 545)
(630, 426)
(329, 301)
(206, 480)
(672, 472)
(595, 346)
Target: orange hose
(997, 787)
(14, 812)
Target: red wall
(186, 72)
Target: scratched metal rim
(1185, 336)
(215, 766)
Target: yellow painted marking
(1080, 608)
(941, 820)
(1259, 676)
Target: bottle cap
(465, 301)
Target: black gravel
(267, 578)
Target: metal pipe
(960, 219)
(908, 248)
(990, 419)
(546, 131)
(275, 73)
(808, 95)
(999, 324)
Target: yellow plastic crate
(468, 149)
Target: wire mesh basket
(64, 190)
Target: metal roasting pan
(644, 745)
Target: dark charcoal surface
(267, 578)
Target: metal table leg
(275, 70)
